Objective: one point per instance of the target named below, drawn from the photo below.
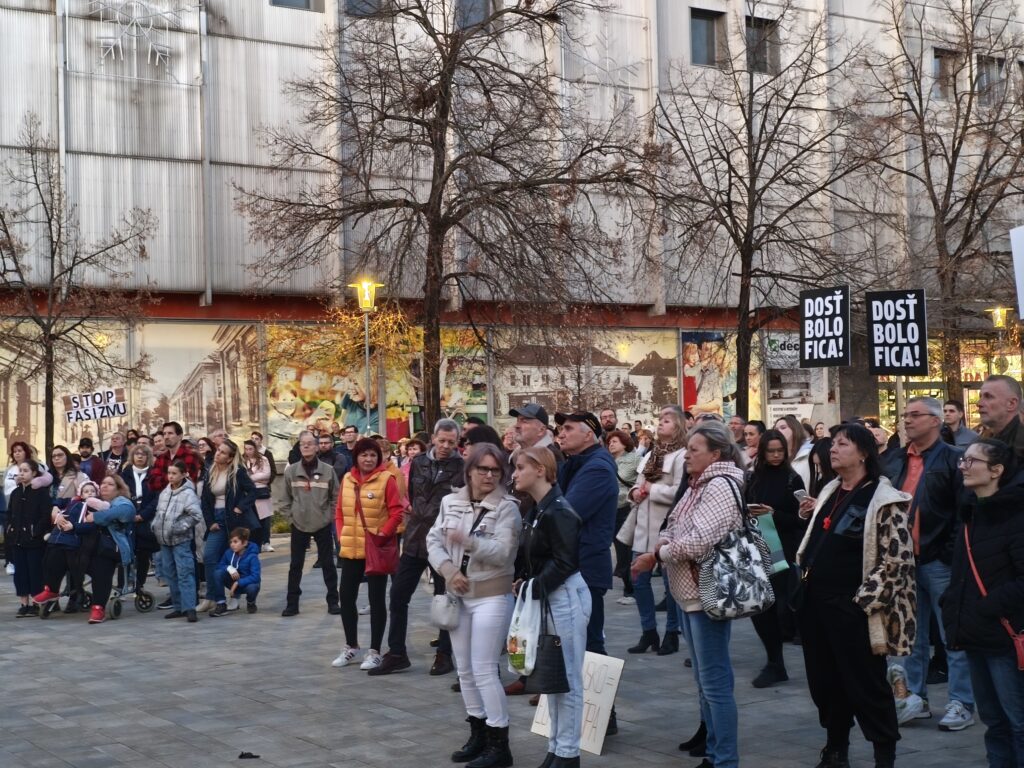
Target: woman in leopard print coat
(857, 564)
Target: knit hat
(367, 444)
(82, 485)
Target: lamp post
(366, 294)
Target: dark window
(991, 79)
(944, 66)
(707, 37)
(762, 45)
(362, 7)
(303, 4)
(470, 13)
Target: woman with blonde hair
(549, 555)
(228, 502)
(659, 475)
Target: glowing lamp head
(366, 294)
(1000, 316)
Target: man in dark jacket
(329, 456)
(928, 470)
(433, 476)
(999, 410)
(590, 482)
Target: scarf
(654, 468)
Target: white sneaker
(10, 569)
(205, 605)
(957, 717)
(626, 600)
(345, 657)
(363, 610)
(266, 548)
(912, 708)
(232, 603)
(372, 660)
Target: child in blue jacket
(239, 571)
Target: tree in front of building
(441, 152)
(949, 76)
(61, 292)
(761, 128)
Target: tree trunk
(950, 330)
(48, 393)
(432, 300)
(744, 337)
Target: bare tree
(761, 136)
(450, 157)
(948, 73)
(65, 330)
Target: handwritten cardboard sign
(601, 676)
(101, 404)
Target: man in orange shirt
(928, 470)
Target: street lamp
(366, 295)
(1000, 316)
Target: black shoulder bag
(548, 674)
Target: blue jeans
(213, 550)
(570, 609)
(221, 582)
(932, 582)
(181, 575)
(712, 669)
(999, 687)
(644, 595)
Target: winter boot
(496, 754)
(649, 639)
(477, 741)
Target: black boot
(773, 673)
(549, 758)
(649, 639)
(698, 743)
(496, 754)
(834, 757)
(885, 754)
(669, 644)
(613, 723)
(566, 762)
(477, 741)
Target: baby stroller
(125, 589)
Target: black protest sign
(897, 333)
(825, 327)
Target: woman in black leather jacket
(549, 554)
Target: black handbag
(548, 674)
(262, 493)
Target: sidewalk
(141, 691)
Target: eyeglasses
(915, 414)
(966, 462)
(489, 471)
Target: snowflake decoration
(137, 22)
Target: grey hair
(478, 451)
(1011, 383)
(447, 425)
(719, 438)
(144, 449)
(306, 433)
(934, 406)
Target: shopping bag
(523, 632)
(770, 534)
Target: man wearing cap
(93, 466)
(589, 481)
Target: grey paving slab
(146, 692)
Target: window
(944, 65)
(470, 13)
(762, 45)
(707, 38)
(302, 5)
(513, 380)
(991, 79)
(362, 8)
(526, 379)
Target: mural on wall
(204, 376)
(463, 375)
(807, 393)
(634, 372)
(709, 374)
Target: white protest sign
(1017, 248)
(601, 676)
(101, 404)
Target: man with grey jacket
(308, 502)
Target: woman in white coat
(659, 475)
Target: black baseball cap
(85, 442)
(584, 417)
(531, 411)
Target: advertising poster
(205, 376)
(709, 372)
(804, 392)
(634, 372)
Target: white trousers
(477, 644)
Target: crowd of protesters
(893, 544)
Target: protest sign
(601, 676)
(825, 327)
(101, 404)
(897, 333)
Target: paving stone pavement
(141, 691)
